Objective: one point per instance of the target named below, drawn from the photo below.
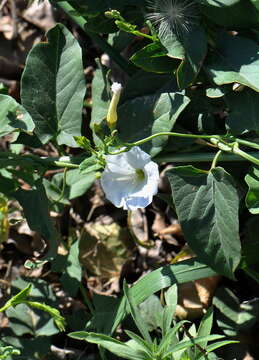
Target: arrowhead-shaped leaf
(207, 207)
(53, 87)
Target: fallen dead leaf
(194, 297)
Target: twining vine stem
(229, 151)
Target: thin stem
(139, 33)
(165, 133)
(82, 23)
(247, 143)
(245, 155)
(124, 149)
(215, 160)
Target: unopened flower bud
(112, 111)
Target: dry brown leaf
(104, 250)
(194, 297)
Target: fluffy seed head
(172, 16)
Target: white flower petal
(122, 182)
(137, 158)
(119, 164)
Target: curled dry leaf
(194, 297)
(103, 250)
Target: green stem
(82, 23)
(247, 143)
(139, 33)
(168, 133)
(32, 159)
(245, 155)
(215, 160)
(165, 133)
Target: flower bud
(112, 111)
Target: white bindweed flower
(130, 179)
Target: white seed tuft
(172, 16)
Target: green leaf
(231, 13)
(71, 278)
(105, 309)
(229, 64)
(92, 7)
(243, 111)
(25, 320)
(250, 246)
(100, 96)
(234, 318)
(215, 346)
(53, 189)
(6, 351)
(184, 271)
(252, 196)
(18, 298)
(116, 347)
(155, 113)
(7, 186)
(207, 208)
(170, 337)
(39, 220)
(151, 312)
(142, 344)
(195, 46)
(79, 183)
(136, 315)
(190, 49)
(90, 164)
(205, 329)
(13, 117)
(54, 313)
(154, 58)
(228, 305)
(145, 83)
(30, 348)
(99, 23)
(53, 87)
(171, 298)
(206, 324)
(189, 343)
